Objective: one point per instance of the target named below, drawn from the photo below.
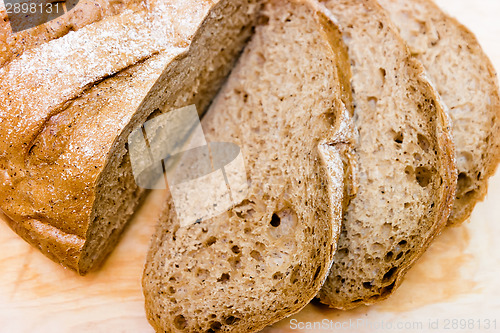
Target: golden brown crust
(466, 79)
(12, 45)
(47, 175)
(60, 115)
(58, 246)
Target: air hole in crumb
(367, 285)
(171, 290)
(388, 276)
(235, 249)
(235, 262)
(284, 223)
(316, 274)
(295, 275)
(403, 243)
(224, 278)
(400, 254)
(387, 289)
(231, 320)
(469, 194)
(275, 220)
(202, 273)
(211, 240)
(277, 276)
(245, 210)
(388, 256)
(216, 326)
(383, 74)
(398, 138)
(263, 20)
(155, 113)
(372, 102)
(343, 252)
(260, 246)
(256, 255)
(464, 180)
(423, 142)
(423, 176)
(180, 322)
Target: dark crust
(60, 235)
(86, 12)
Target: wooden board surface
(457, 279)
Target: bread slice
(267, 256)
(467, 82)
(13, 44)
(407, 174)
(66, 110)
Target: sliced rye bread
(467, 82)
(67, 108)
(407, 175)
(266, 257)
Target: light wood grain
(456, 278)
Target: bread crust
(86, 12)
(62, 130)
(47, 186)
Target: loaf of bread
(467, 82)
(266, 257)
(14, 44)
(407, 174)
(67, 107)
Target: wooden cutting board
(453, 288)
